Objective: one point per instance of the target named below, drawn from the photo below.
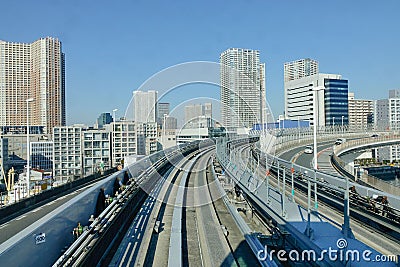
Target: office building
(104, 119)
(331, 103)
(193, 111)
(169, 123)
(17, 147)
(3, 156)
(243, 99)
(336, 101)
(162, 109)
(41, 155)
(145, 106)
(32, 70)
(360, 113)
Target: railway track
(98, 244)
(186, 225)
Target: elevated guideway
(305, 227)
(43, 242)
(187, 225)
(360, 144)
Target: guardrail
(253, 242)
(287, 138)
(367, 142)
(249, 182)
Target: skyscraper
(145, 106)
(163, 109)
(243, 98)
(193, 111)
(300, 68)
(37, 71)
(198, 115)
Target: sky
(113, 47)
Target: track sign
(40, 238)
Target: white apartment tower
(243, 98)
(145, 106)
(299, 69)
(32, 70)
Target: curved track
(375, 234)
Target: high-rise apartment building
(299, 69)
(243, 99)
(360, 112)
(145, 106)
(35, 70)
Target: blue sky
(112, 47)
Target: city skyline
(99, 78)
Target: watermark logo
(340, 253)
(341, 243)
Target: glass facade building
(336, 101)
